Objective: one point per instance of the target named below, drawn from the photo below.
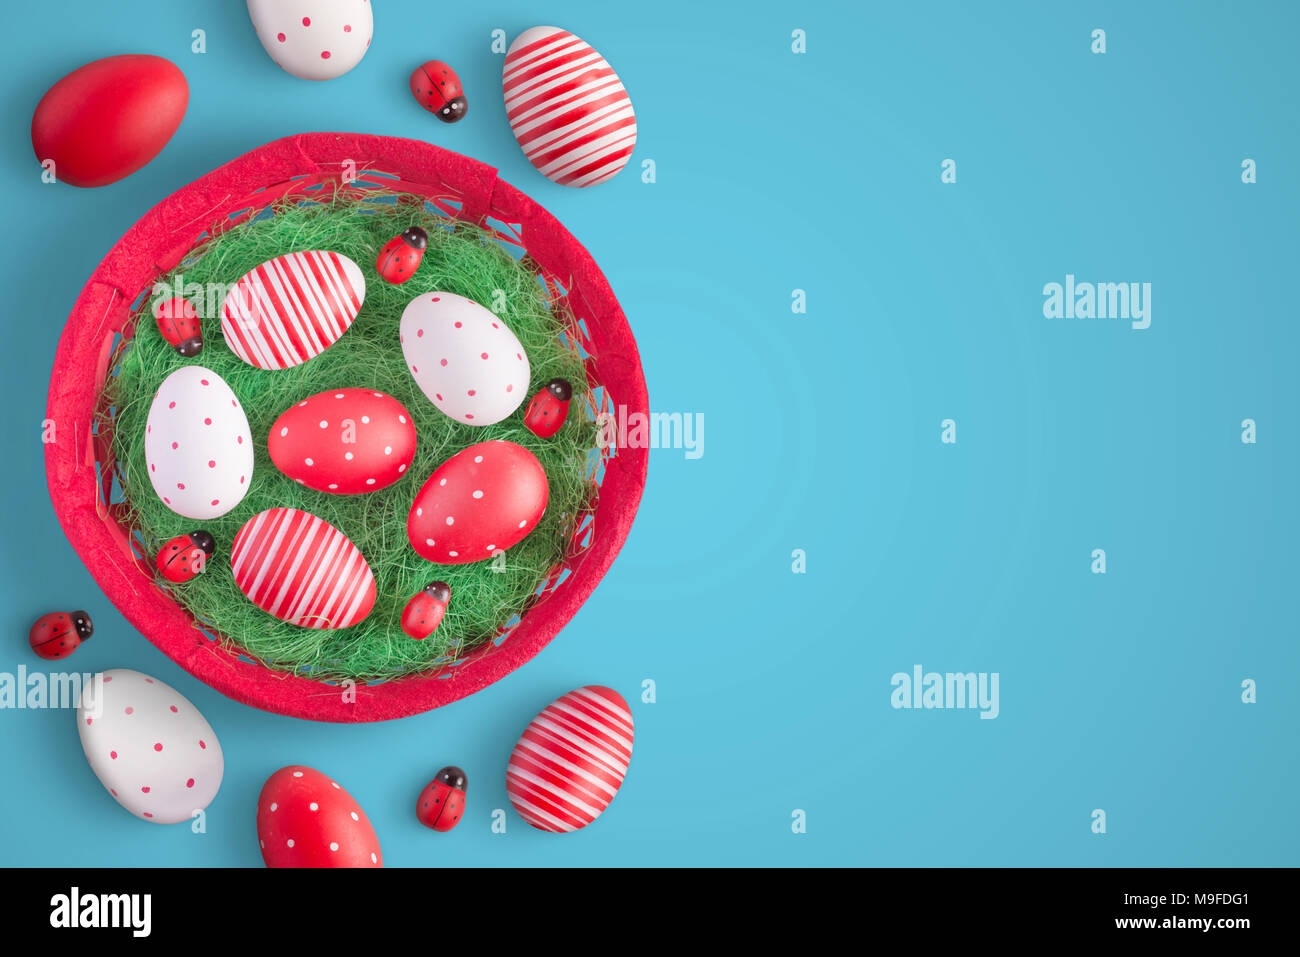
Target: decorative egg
(313, 39)
(149, 746)
(482, 500)
(571, 760)
(105, 120)
(305, 819)
(567, 107)
(302, 570)
(197, 444)
(292, 308)
(344, 441)
(464, 358)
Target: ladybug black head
(202, 540)
(452, 776)
(560, 388)
(81, 622)
(190, 347)
(454, 110)
(415, 237)
(438, 591)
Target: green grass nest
(486, 595)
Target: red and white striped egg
(571, 760)
(197, 444)
(306, 819)
(302, 570)
(464, 358)
(344, 441)
(149, 746)
(567, 107)
(292, 308)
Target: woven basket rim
(155, 244)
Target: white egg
(464, 358)
(313, 39)
(197, 444)
(149, 746)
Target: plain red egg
(107, 119)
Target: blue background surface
(820, 172)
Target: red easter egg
(107, 119)
(480, 501)
(305, 819)
(344, 441)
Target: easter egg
(105, 120)
(302, 570)
(567, 107)
(149, 746)
(464, 358)
(344, 441)
(482, 500)
(305, 819)
(292, 308)
(197, 444)
(571, 760)
(313, 39)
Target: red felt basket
(81, 471)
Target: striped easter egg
(291, 308)
(567, 107)
(302, 570)
(569, 763)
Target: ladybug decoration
(401, 255)
(423, 613)
(185, 556)
(436, 87)
(178, 321)
(548, 409)
(441, 804)
(60, 633)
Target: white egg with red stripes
(567, 107)
(197, 445)
(571, 759)
(302, 570)
(292, 308)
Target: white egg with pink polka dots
(149, 746)
(313, 39)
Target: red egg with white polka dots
(481, 501)
(344, 441)
(306, 819)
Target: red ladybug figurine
(548, 409)
(185, 556)
(442, 803)
(178, 321)
(436, 87)
(60, 633)
(423, 613)
(401, 255)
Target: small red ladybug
(185, 556)
(401, 255)
(548, 409)
(178, 321)
(442, 803)
(436, 87)
(60, 633)
(423, 613)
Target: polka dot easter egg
(305, 819)
(571, 760)
(313, 39)
(464, 358)
(292, 308)
(302, 570)
(197, 445)
(344, 441)
(149, 746)
(481, 501)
